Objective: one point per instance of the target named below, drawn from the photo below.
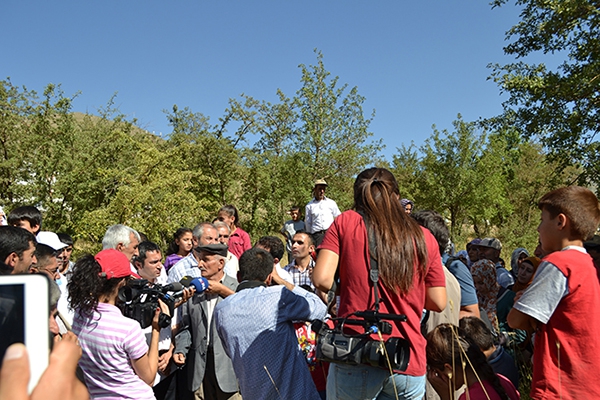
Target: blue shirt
(468, 296)
(255, 327)
(187, 266)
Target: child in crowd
(26, 217)
(180, 247)
(454, 360)
(562, 304)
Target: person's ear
(275, 260)
(120, 247)
(137, 265)
(269, 279)
(12, 259)
(561, 221)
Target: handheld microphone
(172, 287)
(201, 284)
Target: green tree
(560, 106)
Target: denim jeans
(361, 382)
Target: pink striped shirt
(109, 341)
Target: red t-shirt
(567, 348)
(347, 237)
(239, 242)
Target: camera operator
(410, 279)
(116, 360)
(149, 266)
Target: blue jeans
(362, 382)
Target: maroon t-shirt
(347, 237)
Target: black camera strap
(373, 265)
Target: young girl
(239, 240)
(116, 361)
(454, 360)
(180, 247)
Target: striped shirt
(187, 266)
(108, 342)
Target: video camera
(139, 300)
(334, 345)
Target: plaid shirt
(301, 278)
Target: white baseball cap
(50, 239)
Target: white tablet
(24, 316)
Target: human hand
(218, 288)
(155, 319)
(163, 360)
(58, 382)
(187, 294)
(178, 359)
(164, 308)
(441, 383)
(518, 296)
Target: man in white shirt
(320, 212)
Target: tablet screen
(12, 316)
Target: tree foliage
(86, 172)
(561, 106)
(484, 183)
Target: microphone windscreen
(201, 284)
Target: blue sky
(417, 63)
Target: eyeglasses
(300, 242)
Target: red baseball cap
(115, 264)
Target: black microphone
(172, 287)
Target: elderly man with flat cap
(320, 212)
(197, 344)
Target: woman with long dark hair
(410, 279)
(116, 361)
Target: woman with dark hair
(411, 279)
(455, 360)
(116, 361)
(239, 240)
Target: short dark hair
(311, 239)
(14, 240)
(478, 331)
(255, 265)
(273, 244)
(28, 213)
(579, 204)
(66, 239)
(294, 208)
(434, 221)
(143, 249)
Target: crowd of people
(229, 321)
